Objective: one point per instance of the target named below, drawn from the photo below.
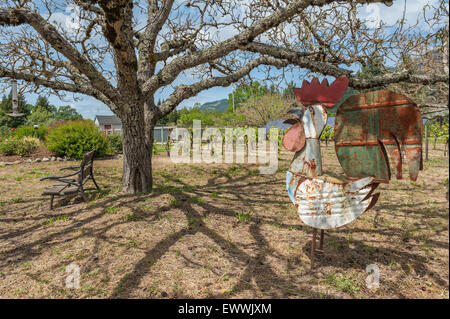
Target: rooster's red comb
(321, 93)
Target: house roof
(108, 120)
(277, 123)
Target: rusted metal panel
(328, 204)
(370, 131)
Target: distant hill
(220, 105)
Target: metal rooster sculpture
(368, 126)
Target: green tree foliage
(187, 116)
(245, 92)
(170, 119)
(232, 119)
(43, 103)
(327, 134)
(40, 116)
(44, 113)
(438, 130)
(208, 118)
(76, 138)
(288, 92)
(7, 121)
(67, 113)
(370, 70)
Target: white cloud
(394, 13)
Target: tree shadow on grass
(257, 273)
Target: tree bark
(137, 154)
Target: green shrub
(115, 143)
(4, 131)
(76, 138)
(38, 132)
(327, 133)
(15, 145)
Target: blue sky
(89, 107)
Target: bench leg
(83, 194)
(92, 176)
(51, 202)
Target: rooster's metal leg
(321, 239)
(313, 247)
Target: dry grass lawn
(217, 231)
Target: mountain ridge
(218, 105)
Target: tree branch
(183, 92)
(171, 71)
(119, 32)
(157, 22)
(17, 16)
(395, 77)
(88, 6)
(78, 87)
(300, 59)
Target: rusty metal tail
(374, 130)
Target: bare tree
(260, 110)
(123, 52)
(431, 98)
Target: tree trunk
(137, 154)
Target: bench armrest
(59, 177)
(70, 167)
(62, 180)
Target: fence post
(426, 142)
(447, 148)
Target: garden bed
(41, 152)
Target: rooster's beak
(293, 116)
(294, 139)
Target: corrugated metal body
(325, 204)
(370, 131)
(308, 161)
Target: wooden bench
(73, 182)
